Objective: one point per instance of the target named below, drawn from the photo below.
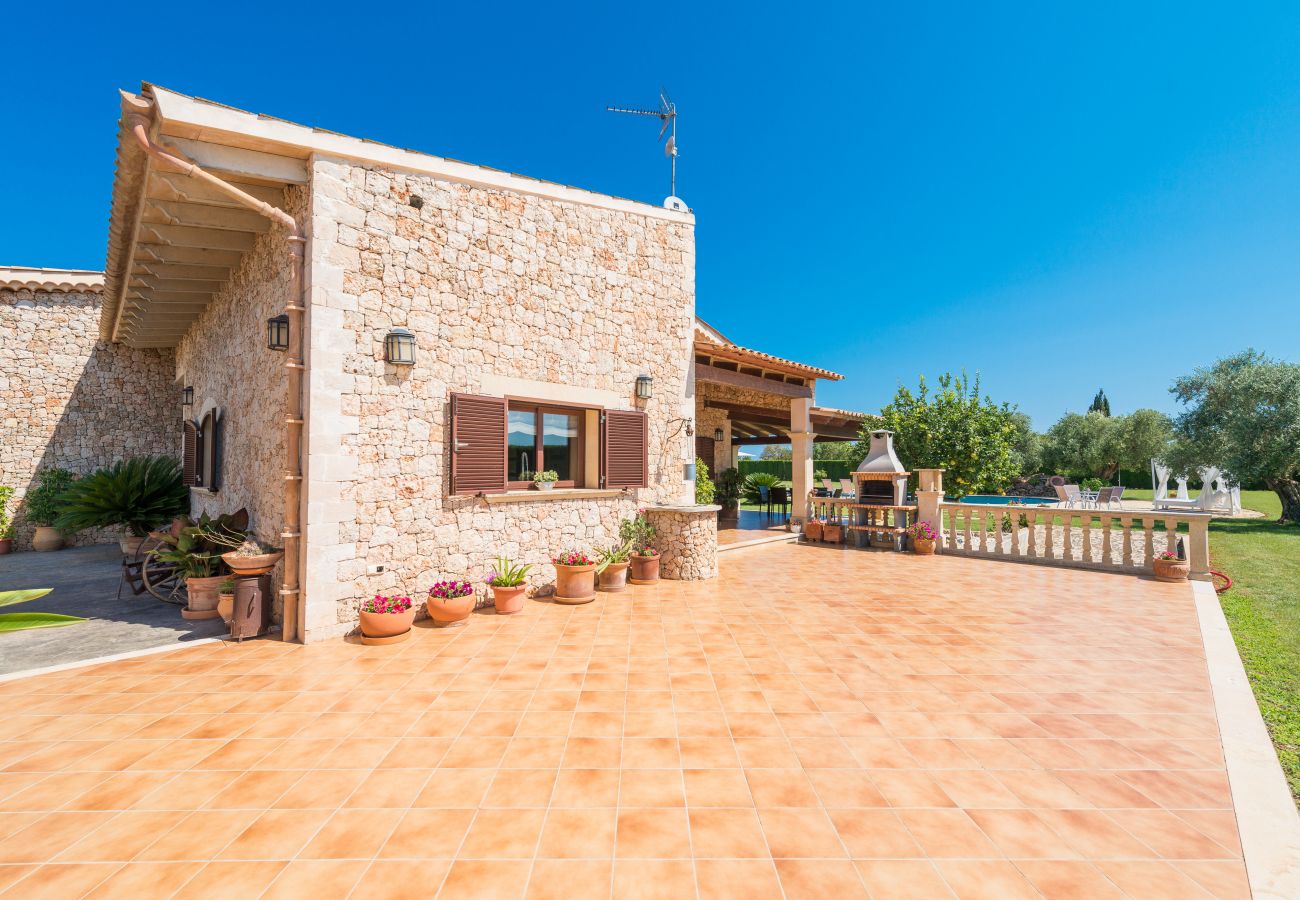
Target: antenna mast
(667, 115)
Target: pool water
(999, 500)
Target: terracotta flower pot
(575, 584)
(46, 539)
(812, 530)
(226, 605)
(614, 577)
(252, 565)
(1171, 570)
(922, 547)
(6, 546)
(508, 600)
(449, 612)
(204, 594)
(386, 625)
(129, 544)
(645, 569)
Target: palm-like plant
(757, 480)
(24, 621)
(138, 494)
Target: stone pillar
(1198, 546)
(929, 496)
(801, 457)
(687, 541)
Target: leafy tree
(1243, 415)
(776, 451)
(971, 437)
(1028, 445)
(1100, 404)
(1098, 445)
(835, 450)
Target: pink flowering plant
(382, 604)
(1168, 554)
(639, 532)
(922, 531)
(573, 558)
(449, 590)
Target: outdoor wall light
(399, 347)
(187, 396)
(644, 387)
(277, 332)
(718, 435)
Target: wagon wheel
(162, 579)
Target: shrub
(703, 485)
(819, 474)
(138, 494)
(730, 484)
(1092, 484)
(6, 520)
(757, 480)
(45, 500)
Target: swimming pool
(999, 500)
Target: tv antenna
(667, 115)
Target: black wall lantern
(399, 347)
(277, 332)
(644, 387)
(187, 396)
(718, 435)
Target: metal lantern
(187, 396)
(644, 385)
(277, 332)
(399, 347)
(718, 435)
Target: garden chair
(831, 489)
(764, 497)
(779, 497)
(846, 488)
(1108, 498)
(1068, 494)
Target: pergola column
(801, 456)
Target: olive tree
(953, 428)
(1243, 415)
(1100, 445)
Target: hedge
(782, 468)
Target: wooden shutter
(624, 445)
(213, 431)
(190, 454)
(478, 444)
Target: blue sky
(1059, 199)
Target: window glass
(560, 444)
(521, 445)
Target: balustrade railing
(1112, 540)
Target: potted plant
(575, 577)
(250, 557)
(727, 493)
(833, 531)
(386, 620)
(6, 520)
(137, 494)
(611, 566)
(226, 600)
(923, 538)
(544, 481)
(1169, 567)
(198, 561)
(640, 531)
(508, 588)
(812, 529)
(450, 603)
(43, 504)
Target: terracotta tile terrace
(814, 722)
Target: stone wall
(225, 359)
(495, 285)
(69, 400)
(687, 541)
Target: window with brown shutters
(478, 444)
(190, 467)
(624, 444)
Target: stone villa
(371, 349)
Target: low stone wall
(687, 541)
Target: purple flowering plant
(449, 590)
(382, 604)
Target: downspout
(139, 112)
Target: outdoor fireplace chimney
(881, 456)
(880, 479)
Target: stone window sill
(530, 496)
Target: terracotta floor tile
(316, 878)
(782, 787)
(352, 834)
(146, 879)
(799, 833)
(874, 834)
(428, 834)
(232, 880)
(1064, 879)
(1021, 834)
(592, 753)
(1168, 835)
(717, 787)
(566, 879)
(586, 788)
(991, 879)
(321, 789)
(1149, 879)
(464, 789)
(120, 839)
(910, 788)
(903, 879)
(503, 834)
(50, 835)
(727, 833)
(948, 833)
(276, 834)
(474, 879)
(1226, 878)
(58, 881)
(815, 879)
(578, 834)
(521, 788)
(652, 787)
(653, 879)
(654, 833)
(401, 879)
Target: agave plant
(612, 555)
(138, 494)
(24, 621)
